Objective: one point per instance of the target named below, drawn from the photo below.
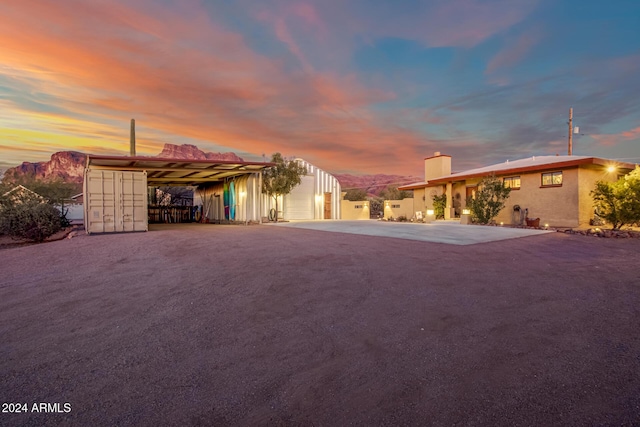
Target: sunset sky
(352, 86)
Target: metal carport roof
(176, 172)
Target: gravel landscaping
(200, 324)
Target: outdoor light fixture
(611, 169)
(430, 211)
(466, 211)
(243, 193)
(501, 223)
(546, 226)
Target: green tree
(355, 195)
(439, 203)
(489, 200)
(392, 193)
(619, 202)
(281, 178)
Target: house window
(395, 206)
(512, 182)
(552, 179)
(358, 206)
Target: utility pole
(570, 131)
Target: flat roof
(176, 172)
(530, 164)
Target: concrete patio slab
(449, 232)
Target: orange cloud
(184, 76)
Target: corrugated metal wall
(248, 198)
(324, 183)
(252, 205)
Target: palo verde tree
(281, 178)
(392, 193)
(489, 200)
(618, 202)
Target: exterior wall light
(430, 211)
(466, 211)
(611, 169)
(501, 223)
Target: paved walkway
(437, 232)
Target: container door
(133, 201)
(100, 201)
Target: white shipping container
(115, 201)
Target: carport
(116, 187)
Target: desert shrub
(31, 220)
(489, 200)
(402, 218)
(355, 194)
(618, 202)
(439, 203)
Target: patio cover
(176, 172)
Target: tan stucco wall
(406, 208)
(556, 206)
(349, 211)
(588, 178)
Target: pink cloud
(455, 22)
(513, 53)
(186, 77)
(614, 139)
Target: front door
(327, 205)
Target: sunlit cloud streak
(322, 80)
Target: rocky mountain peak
(188, 151)
(65, 165)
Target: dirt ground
(257, 325)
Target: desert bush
(489, 200)
(32, 220)
(439, 203)
(618, 202)
(355, 194)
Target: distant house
(555, 189)
(20, 193)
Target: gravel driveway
(255, 325)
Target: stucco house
(553, 188)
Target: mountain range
(69, 166)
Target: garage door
(299, 203)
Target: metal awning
(176, 172)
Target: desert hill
(69, 166)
